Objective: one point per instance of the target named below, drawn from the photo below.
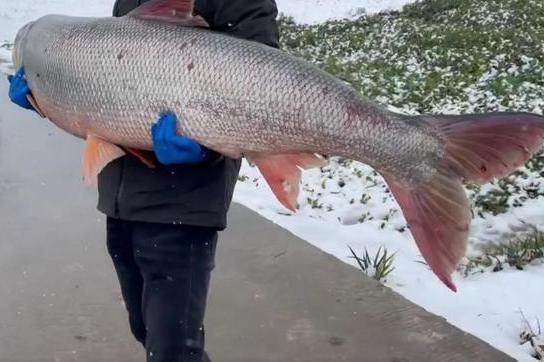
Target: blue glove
(170, 148)
(18, 89)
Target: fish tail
(477, 148)
(482, 147)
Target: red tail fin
(478, 148)
(482, 147)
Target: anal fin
(283, 172)
(96, 155)
(34, 104)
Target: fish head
(18, 46)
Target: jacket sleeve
(248, 19)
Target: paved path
(274, 297)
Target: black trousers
(164, 272)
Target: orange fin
(34, 104)
(97, 154)
(173, 11)
(143, 156)
(439, 217)
(282, 173)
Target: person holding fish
(235, 98)
(163, 222)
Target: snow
(346, 204)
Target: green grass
(377, 267)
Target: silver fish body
(111, 77)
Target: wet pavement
(274, 297)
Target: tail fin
(478, 148)
(482, 147)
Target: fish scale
(107, 80)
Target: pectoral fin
(34, 104)
(96, 155)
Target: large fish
(107, 79)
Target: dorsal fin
(172, 11)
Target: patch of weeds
(358, 173)
(515, 252)
(494, 202)
(324, 184)
(378, 267)
(521, 251)
(314, 203)
(364, 217)
(533, 336)
(479, 264)
(371, 182)
(536, 164)
(365, 199)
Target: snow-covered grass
(515, 252)
(317, 11)
(437, 56)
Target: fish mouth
(20, 38)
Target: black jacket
(186, 194)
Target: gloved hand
(18, 89)
(170, 148)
